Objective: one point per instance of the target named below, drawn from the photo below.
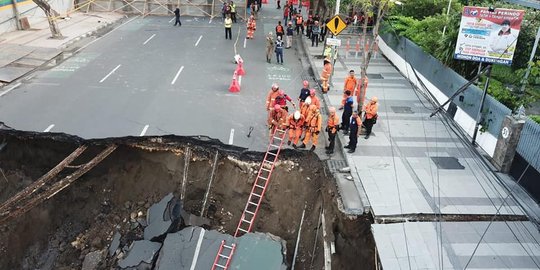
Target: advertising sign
(488, 36)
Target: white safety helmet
(296, 115)
(308, 101)
(275, 86)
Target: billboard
(488, 36)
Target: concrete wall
(486, 140)
(29, 9)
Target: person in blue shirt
(347, 112)
(290, 33)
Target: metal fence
(529, 143)
(448, 81)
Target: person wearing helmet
(282, 99)
(346, 116)
(313, 127)
(304, 110)
(251, 27)
(314, 99)
(304, 93)
(290, 33)
(354, 124)
(371, 115)
(277, 119)
(269, 46)
(295, 123)
(271, 97)
(332, 127)
(325, 75)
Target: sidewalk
(23, 51)
(414, 168)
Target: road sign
(333, 41)
(336, 25)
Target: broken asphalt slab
(162, 217)
(140, 256)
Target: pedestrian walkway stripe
(177, 74)
(231, 136)
(149, 39)
(198, 40)
(110, 73)
(49, 128)
(144, 130)
(11, 88)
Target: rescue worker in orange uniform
(251, 27)
(271, 97)
(277, 119)
(304, 109)
(282, 98)
(350, 85)
(295, 123)
(325, 75)
(313, 127)
(332, 127)
(371, 115)
(314, 99)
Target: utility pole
(447, 14)
(17, 15)
(479, 115)
(338, 2)
(533, 52)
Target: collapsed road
(159, 202)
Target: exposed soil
(83, 217)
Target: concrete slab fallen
(196, 248)
(161, 217)
(140, 256)
(115, 243)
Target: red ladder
(261, 183)
(224, 256)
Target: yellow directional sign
(336, 25)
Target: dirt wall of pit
(82, 218)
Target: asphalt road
(148, 77)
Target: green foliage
(419, 9)
(535, 118)
(503, 94)
(505, 75)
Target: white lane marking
(245, 42)
(231, 136)
(240, 80)
(144, 130)
(197, 250)
(91, 42)
(110, 73)
(11, 88)
(49, 128)
(198, 40)
(149, 39)
(210, 21)
(172, 20)
(177, 74)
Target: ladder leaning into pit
(255, 198)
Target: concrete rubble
(162, 217)
(140, 256)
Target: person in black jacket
(177, 15)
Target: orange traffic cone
(240, 68)
(235, 87)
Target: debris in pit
(162, 217)
(197, 247)
(115, 243)
(140, 256)
(92, 260)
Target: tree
(50, 13)
(371, 9)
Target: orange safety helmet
(281, 93)
(374, 99)
(332, 110)
(312, 92)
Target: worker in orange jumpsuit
(251, 27)
(332, 127)
(314, 99)
(371, 115)
(295, 123)
(282, 98)
(325, 75)
(350, 85)
(271, 97)
(277, 119)
(313, 127)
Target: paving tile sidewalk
(23, 51)
(412, 163)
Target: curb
(87, 34)
(356, 178)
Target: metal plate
(447, 163)
(402, 109)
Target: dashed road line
(240, 80)
(91, 42)
(197, 250)
(110, 73)
(144, 130)
(151, 37)
(177, 74)
(198, 40)
(49, 128)
(231, 136)
(245, 42)
(11, 88)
